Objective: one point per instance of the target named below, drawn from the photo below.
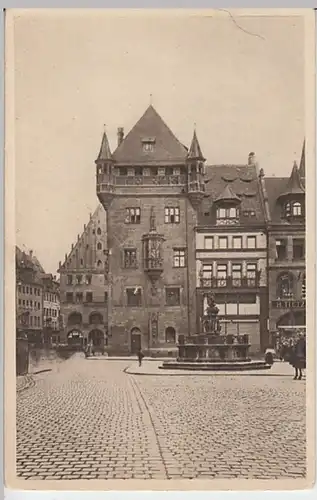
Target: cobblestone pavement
(87, 420)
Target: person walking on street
(140, 356)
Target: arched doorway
(75, 338)
(170, 335)
(136, 343)
(96, 337)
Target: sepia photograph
(159, 169)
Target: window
(222, 274)
(23, 289)
(31, 303)
(227, 213)
(31, 321)
(251, 274)
(172, 215)
(209, 242)
(38, 305)
(69, 279)
(237, 241)
(27, 289)
(69, 297)
(123, 171)
(106, 297)
(79, 279)
(304, 287)
(138, 171)
(169, 171)
(297, 209)
(27, 303)
(285, 285)
(206, 275)
(23, 302)
(133, 216)
(223, 242)
(99, 246)
(32, 290)
(298, 249)
(88, 279)
(89, 297)
(130, 261)
(251, 241)
(20, 302)
(281, 249)
(99, 231)
(134, 297)
(236, 274)
(99, 263)
(170, 335)
(81, 262)
(79, 297)
(148, 147)
(179, 257)
(172, 296)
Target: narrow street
(88, 420)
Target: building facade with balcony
(231, 251)
(83, 286)
(29, 297)
(151, 187)
(285, 213)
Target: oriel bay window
(206, 275)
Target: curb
(30, 382)
(209, 374)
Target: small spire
(104, 153)
(294, 184)
(194, 150)
(302, 165)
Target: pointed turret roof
(104, 153)
(302, 166)
(227, 195)
(194, 150)
(150, 129)
(294, 184)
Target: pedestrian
(140, 356)
(298, 357)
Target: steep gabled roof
(239, 181)
(150, 127)
(85, 254)
(104, 153)
(195, 150)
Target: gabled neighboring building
(29, 297)
(284, 199)
(231, 248)
(51, 309)
(84, 285)
(151, 187)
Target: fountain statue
(213, 350)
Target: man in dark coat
(298, 357)
(140, 356)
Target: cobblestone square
(90, 420)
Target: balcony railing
(229, 282)
(150, 180)
(196, 186)
(153, 264)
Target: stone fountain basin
(228, 365)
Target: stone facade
(84, 285)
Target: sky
(241, 81)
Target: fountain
(212, 350)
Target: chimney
(120, 135)
(251, 159)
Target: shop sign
(289, 304)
